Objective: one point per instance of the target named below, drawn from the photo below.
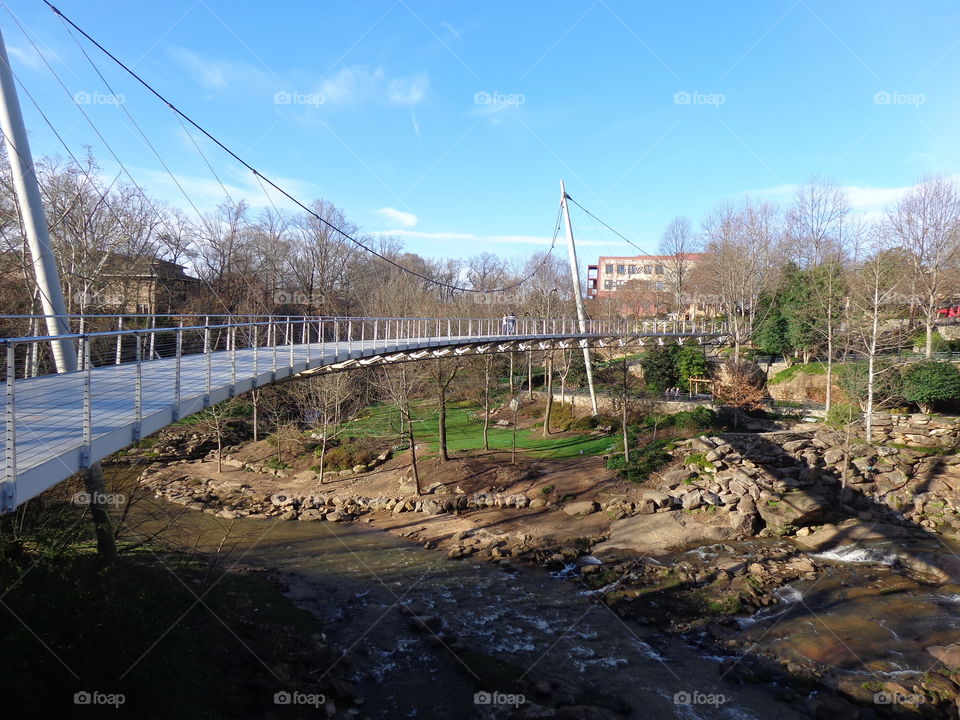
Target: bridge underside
(66, 422)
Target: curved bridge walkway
(150, 371)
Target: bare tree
(874, 289)
(819, 235)
(677, 246)
(215, 420)
(444, 371)
(399, 384)
(742, 252)
(926, 224)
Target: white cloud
(206, 193)
(359, 83)
(30, 58)
(403, 219)
(408, 90)
(216, 74)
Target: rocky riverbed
(806, 559)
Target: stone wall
(916, 429)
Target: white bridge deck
(56, 425)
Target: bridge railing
(116, 339)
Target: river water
(525, 624)
(519, 624)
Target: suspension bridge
(138, 377)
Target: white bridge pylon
(140, 377)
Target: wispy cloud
(361, 83)
(30, 58)
(216, 74)
(403, 219)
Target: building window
(647, 269)
(621, 269)
(659, 285)
(632, 270)
(607, 284)
(609, 270)
(659, 269)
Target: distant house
(144, 285)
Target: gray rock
(583, 507)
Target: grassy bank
(465, 432)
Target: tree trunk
(255, 398)
(548, 368)
(219, 451)
(626, 443)
(323, 446)
(442, 424)
(829, 399)
(530, 375)
(94, 486)
(413, 453)
(486, 402)
(510, 379)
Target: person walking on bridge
(511, 323)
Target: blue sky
(450, 124)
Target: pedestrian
(505, 325)
(511, 323)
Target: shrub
(927, 382)
(841, 414)
(588, 422)
(690, 363)
(643, 461)
(659, 365)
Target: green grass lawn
(464, 433)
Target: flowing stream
(516, 623)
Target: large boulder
(583, 507)
(659, 533)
